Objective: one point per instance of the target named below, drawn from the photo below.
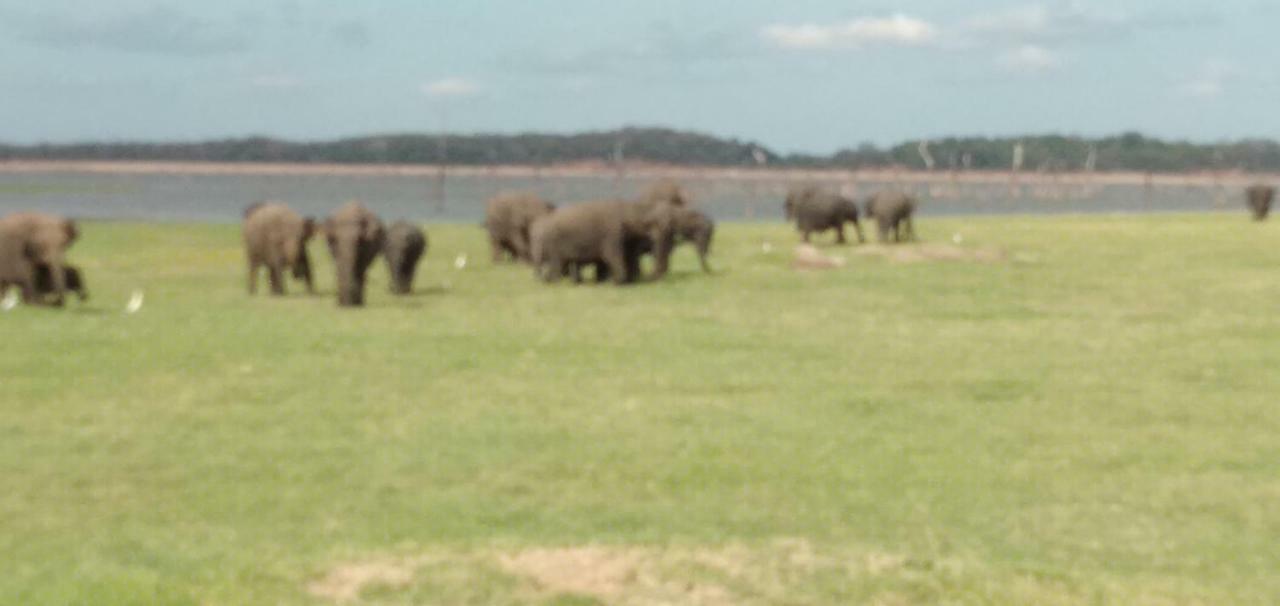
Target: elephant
(892, 212)
(404, 245)
(29, 240)
(613, 235)
(507, 218)
(690, 226)
(276, 237)
(817, 210)
(73, 279)
(1259, 198)
(355, 236)
(695, 227)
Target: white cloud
(895, 30)
(451, 87)
(1209, 80)
(1030, 59)
(1066, 21)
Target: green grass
(1093, 421)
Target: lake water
(222, 197)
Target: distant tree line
(1126, 152)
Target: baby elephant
(276, 237)
(354, 234)
(892, 212)
(696, 227)
(817, 210)
(1259, 199)
(404, 245)
(73, 281)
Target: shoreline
(644, 171)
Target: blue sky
(801, 75)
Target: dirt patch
(611, 574)
(807, 257)
(916, 253)
(594, 571)
(343, 583)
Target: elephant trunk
(350, 278)
(703, 246)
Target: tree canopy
(1124, 152)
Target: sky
(798, 76)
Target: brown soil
(344, 583)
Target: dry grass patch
(916, 253)
(344, 582)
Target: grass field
(1095, 419)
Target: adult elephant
(1259, 198)
(275, 237)
(892, 212)
(508, 217)
(29, 240)
(818, 210)
(355, 236)
(612, 234)
(405, 243)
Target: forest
(1124, 152)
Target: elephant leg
(602, 272)
(882, 229)
(520, 248)
(553, 269)
(804, 234)
(631, 265)
(495, 248)
(253, 276)
(275, 275)
(618, 264)
(306, 275)
(840, 233)
(911, 229)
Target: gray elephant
(689, 225)
(507, 218)
(892, 212)
(613, 235)
(697, 228)
(29, 240)
(355, 236)
(405, 243)
(817, 210)
(276, 237)
(1259, 198)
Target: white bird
(135, 303)
(460, 261)
(957, 238)
(10, 300)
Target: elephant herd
(817, 210)
(609, 237)
(276, 237)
